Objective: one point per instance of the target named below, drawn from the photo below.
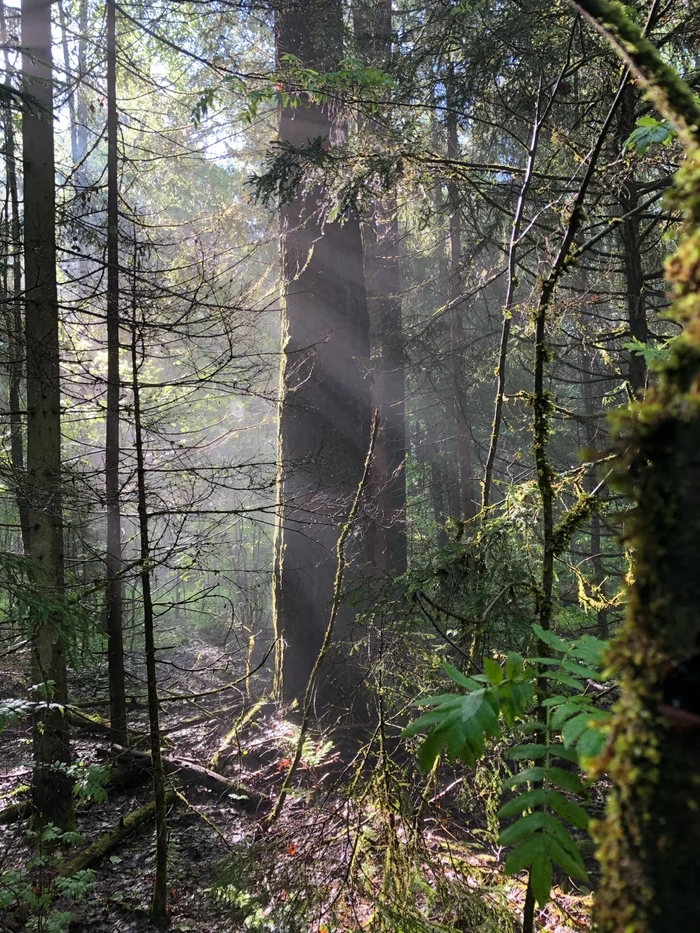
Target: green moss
(649, 840)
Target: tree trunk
(593, 442)
(160, 884)
(115, 586)
(649, 842)
(51, 785)
(15, 328)
(632, 255)
(380, 239)
(468, 506)
(324, 407)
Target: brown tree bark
(380, 239)
(631, 253)
(594, 439)
(14, 315)
(649, 842)
(115, 586)
(51, 785)
(468, 504)
(160, 884)
(324, 396)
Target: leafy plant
(648, 351)
(34, 889)
(565, 727)
(650, 131)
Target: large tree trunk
(380, 238)
(115, 586)
(650, 839)
(324, 408)
(51, 785)
(468, 506)
(631, 254)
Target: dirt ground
(344, 844)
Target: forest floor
(345, 853)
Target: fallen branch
(113, 838)
(190, 772)
(15, 812)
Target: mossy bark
(113, 838)
(325, 415)
(649, 841)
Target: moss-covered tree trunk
(324, 407)
(649, 842)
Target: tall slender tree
(468, 505)
(115, 586)
(51, 784)
(14, 315)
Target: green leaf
(550, 638)
(514, 665)
(541, 878)
(529, 774)
(574, 668)
(591, 743)
(531, 751)
(566, 779)
(574, 868)
(521, 828)
(574, 728)
(563, 712)
(567, 679)
(554, 827)
(459, 677)
(591, 650)
(568, 809)
(649, 131)
(494, 671)
(555, 700)
(531, 798)
(568, 754)
(524, 854)
(430, 749)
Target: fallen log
(15, 812)
(113, 838)
(191, 773)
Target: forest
(349, 466)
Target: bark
(71, 97)
(51, 785)
(468, 505)
(115, 585)
(324, 397)
(649, 842)
(191, 773)
(594, 436)
(632, 254)
(108, 842)
(159, 901)
(15, 327)
(14, 314)
(380, 240)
